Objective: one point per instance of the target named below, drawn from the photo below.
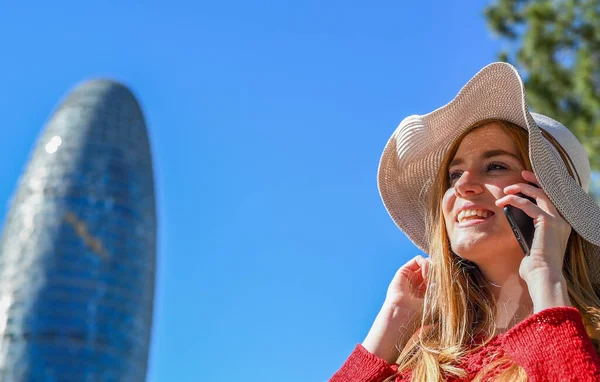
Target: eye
(496, 166)
(453, 176)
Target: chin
(474, 250)
(485, 249)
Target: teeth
(464, 215)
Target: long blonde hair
(459, 311)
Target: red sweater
(551, 345)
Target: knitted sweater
(551, 345)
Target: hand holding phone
(521, 224)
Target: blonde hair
(459, 311)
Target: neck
(513, 303)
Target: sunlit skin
(486, 174)
(486, 162)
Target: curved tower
(78, 249)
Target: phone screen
(521, 224)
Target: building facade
(78, 247)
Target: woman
(479, 307)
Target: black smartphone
(521, 224)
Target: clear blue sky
(267, 120)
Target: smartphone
(521, 224)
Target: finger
(413, 280)
(422, 288)
(425, 269)
(527, 189)
(414, 264)
(531, 209)
(407, 270)
(424, 275)
(413, 272)
(541, 198)
(530, 177)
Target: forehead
(485, 138)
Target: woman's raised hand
(408, 286)
(400, 315)
(542, 270)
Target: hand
(542, 269)
(551, 230)
(399, 317)
(407, 289)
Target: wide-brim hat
(414, 154)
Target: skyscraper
(78, 249)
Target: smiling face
(486, 161)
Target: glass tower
(78, 249)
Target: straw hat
(415, 151)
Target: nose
(467, 185)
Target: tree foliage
(556, 45)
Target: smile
(473, 214)
(467, 218)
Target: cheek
(448, 205)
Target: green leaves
(556, 46)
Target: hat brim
(416, 149)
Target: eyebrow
(486, 155)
